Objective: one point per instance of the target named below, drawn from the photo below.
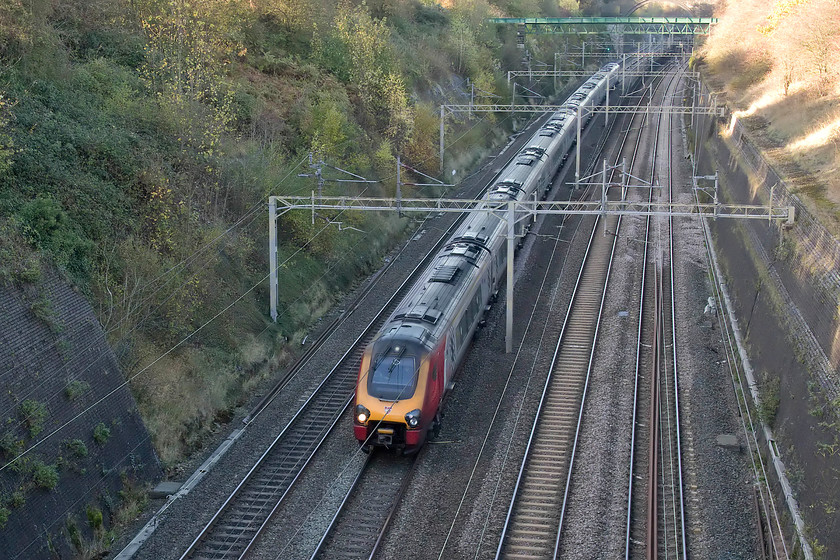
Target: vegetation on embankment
(139, 140)
(776, 63)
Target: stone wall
(785, 294)
(812, 265)
(54, 359)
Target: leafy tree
(330, 129)
(189, 47)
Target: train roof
(418, 317)
(441, 284)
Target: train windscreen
(394, 377)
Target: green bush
(44, 476)
(94, 515)
(77, 447)
(4, 516)
(18, 499)
(75, 389)
(101, 433)
(34, 413)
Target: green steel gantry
(600, 25)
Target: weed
(101, 433)
(77, 447)
(34, 414)
(76, 389)
(132, 501)
(768, 406)
(827, 449)
(73, 533)
(4, 516)
(818, 549)
(44, 476)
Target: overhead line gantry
(511, 212)
(599, 25)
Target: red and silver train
(407, 369)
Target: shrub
(29, 271)
(94, 515)
(75, 389)
(4, 516)
(77, 447)
(43, 309)
(10, 445)
(34, 413)
(101, 433)
(44, 476)
(18, 499)
(769, 399)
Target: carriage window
(394, 377)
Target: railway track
(535, 516)
(672, 514)
(534, 524)
(365, 513)
(236, 525)
(655, 515)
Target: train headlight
(413, 418)
(362, 414)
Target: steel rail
(652, 504)
(523, 520)
(357, 528)
(676, 383)
(652, 520)
(651, 525)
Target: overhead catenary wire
(93, 361)
(251, 213)
(179, 343)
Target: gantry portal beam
(284, 204)
(510, 212)
(601, 25)
(650, 109)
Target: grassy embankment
(774, 63)
(140, 139)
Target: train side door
(449, 360)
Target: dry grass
(767, 62)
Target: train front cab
(398, 392)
